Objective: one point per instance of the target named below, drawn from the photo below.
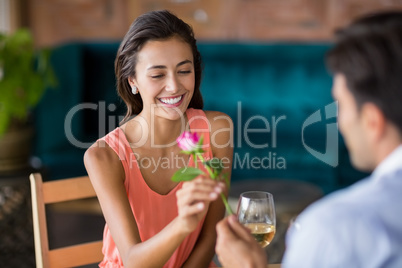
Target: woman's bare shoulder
(99, 151)
(100, 158)
(219, 120)
(221, 129)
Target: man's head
(367, 63)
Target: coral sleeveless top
(143, 200)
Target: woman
(152, 221)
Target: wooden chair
(53, 192)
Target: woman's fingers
(200, 189)
(193, 200)
(202, 183)
(193, 209)
(190, 197)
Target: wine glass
(256, 211)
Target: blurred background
(57, 21)
(264, 61)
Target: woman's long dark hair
(154, 25)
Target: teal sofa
(274, 93)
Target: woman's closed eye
(182, 72)
(185, 72)
(156, 76)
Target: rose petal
(188, 141)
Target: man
(360, 226)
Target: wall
(58, 21)
(11, 15)
(298, 20)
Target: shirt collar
(391, 163)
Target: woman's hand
(236, 247)
(193, 200)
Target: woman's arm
(107, 176)
(222, 147)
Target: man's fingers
(224, 235)
(241, 231)
(222, 226)
(225, 231)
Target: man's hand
(236, 247)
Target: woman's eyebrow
(164, 67)
(184, 62)
(157, 67)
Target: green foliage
(186, 174)
(25, 73)
(215, 166)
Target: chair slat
(76, 255)
(67, 190)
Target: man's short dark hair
(369, 54)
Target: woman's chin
(172, 113)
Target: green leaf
(186, 174)
(186, 152)
(226, 178)
(201, 141)
(200, 144)
(215, 164)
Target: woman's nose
(172, 84)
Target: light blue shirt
(360, 226)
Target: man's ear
(373, 120)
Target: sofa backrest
(269, 90)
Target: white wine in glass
(256, 211)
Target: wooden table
(290, 196)
(276, 265)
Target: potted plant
(25, 73)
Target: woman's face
(165, 77)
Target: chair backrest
(53, 192)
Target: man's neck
(387, 143)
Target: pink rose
(191, 143)
(188, 141)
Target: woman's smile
(172, 101)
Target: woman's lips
(172, 101)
